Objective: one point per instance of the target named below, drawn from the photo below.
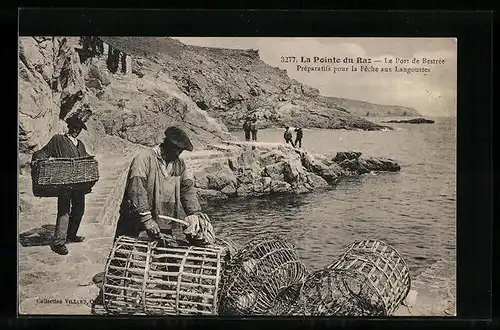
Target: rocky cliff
(232, 84)
(135, 87)
(61, 75)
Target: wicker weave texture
(330, 292)
(65, 171)
(369, 279)
(147, 277)
(263, 278)
(52, 177)
(383, 267)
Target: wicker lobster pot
(151, 278)
(51, 177)
(263, 278)
(370, 279)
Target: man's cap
(179, 138)
(75, 121)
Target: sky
(431, 94)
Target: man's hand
(193, 225)
(152, 227)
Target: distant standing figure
(288, 136)
(70, 203)
(247, 128)
(253, 129)
(298, 138)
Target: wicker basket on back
(51, 177)
(263, 278)
(153, 278)
(370, 279)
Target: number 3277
(288, 59)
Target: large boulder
(280, 187)
(262, 186)
(321, 166)
(343, 155)
(273, 156)
(96, 70)
(292, 171)
(316, 181)
(249, 175)
(248, 158)
(380, 164)
(276, 171)
(353, 166)
(244, 190)
(220, 177)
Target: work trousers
(254, 135)
(70, 209)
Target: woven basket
(370, 279)
(51, 177)
(263, 278)
(150, 278)
(330, 292)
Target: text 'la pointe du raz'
(360, 60)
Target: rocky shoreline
(410, 121)
(257, 169)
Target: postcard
(237, 176)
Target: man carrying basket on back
(70, 203)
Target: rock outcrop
(279, 170)
(61, 75)
(233, 84)
(412, 121)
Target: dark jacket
(60, 146)
(287, 135)
(299, 133)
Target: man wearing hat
(70, 204)
(158, 183)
